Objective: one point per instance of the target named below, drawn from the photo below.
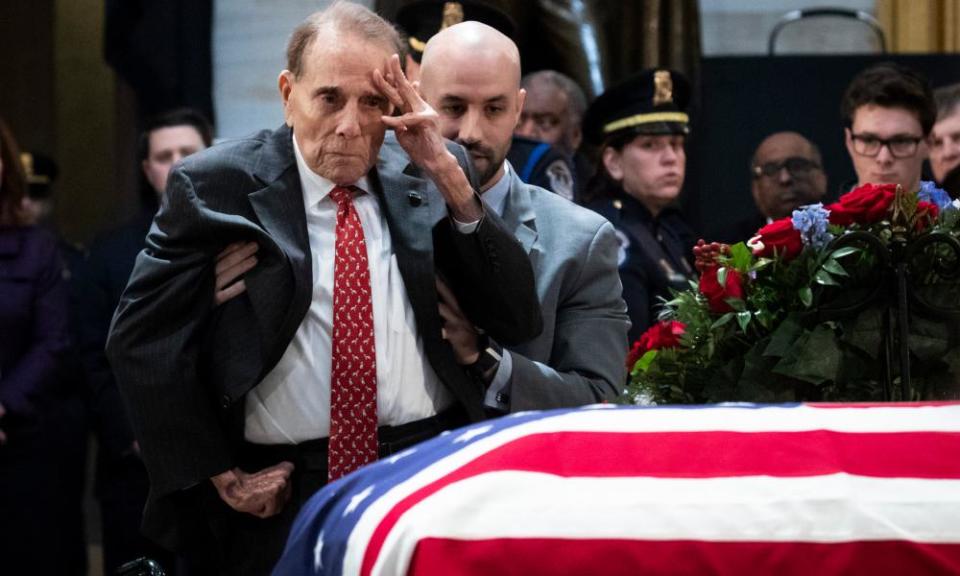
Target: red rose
(716, 294)
(778, 237)
(664, 334)
(865, 205)
(927, 212)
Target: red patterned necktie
(353, 385)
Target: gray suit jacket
(579, 357)
(184, 367)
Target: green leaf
(643, 364)
(743, 319)
(722, 276)
(740, 256)
(806, 296)
(845, 251)
(737, 304)
(783, 338)
(723, 320)
(834, 267)
(824, 278)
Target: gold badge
(452, 14)
(662, 88)
(26, 160)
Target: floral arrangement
(816, 307)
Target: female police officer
(640, 127)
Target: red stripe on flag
(931, 403)
(563, 557)
(701, 455)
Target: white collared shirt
(292, 403)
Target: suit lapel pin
(415, 199)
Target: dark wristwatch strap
(487, 363)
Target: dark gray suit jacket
(184, 367)
(579, 357)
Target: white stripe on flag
(822, 509)
(885, 419)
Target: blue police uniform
(656, 252)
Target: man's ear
(521, 98)
(848, 140)
(285, 85)
(612, 162)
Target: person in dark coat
(33, 338)
(640, 127)
(67, 412)
(121, 483)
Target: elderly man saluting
(336, 351)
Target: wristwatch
(485, 366)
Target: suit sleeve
(490, 274)
(590, 341)
(154, 346)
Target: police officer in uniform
(640, 127)
(536, 162)
(543, 165)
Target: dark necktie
(353, 385)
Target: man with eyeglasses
(787, 173)
(889, 111)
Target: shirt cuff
(498, 393)
(468, 227)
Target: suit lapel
(279, 208)
(410, 230)
(520, 218)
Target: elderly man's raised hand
(418, 129)
(418, 132)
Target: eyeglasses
(797, 167)
(899, 146)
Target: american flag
(725, 489)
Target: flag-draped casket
(727, 489)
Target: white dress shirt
(292, 403)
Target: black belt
(312, 454)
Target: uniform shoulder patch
(561, 178)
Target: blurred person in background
(945, 139)
(33, 337)
(121, 482)
(640, 127)
(551, 114)
(889, 112)
(787, 172)
(68, 423)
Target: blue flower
(811, 222)
(930, 193)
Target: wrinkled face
(650, 168)
(546, 117)
(478, 104)
(799, 179)
(334, 108)
(945, 145)
(167, 146)
(874, 123)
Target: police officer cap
(652, 102)
(41, 171)
(421, 20)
